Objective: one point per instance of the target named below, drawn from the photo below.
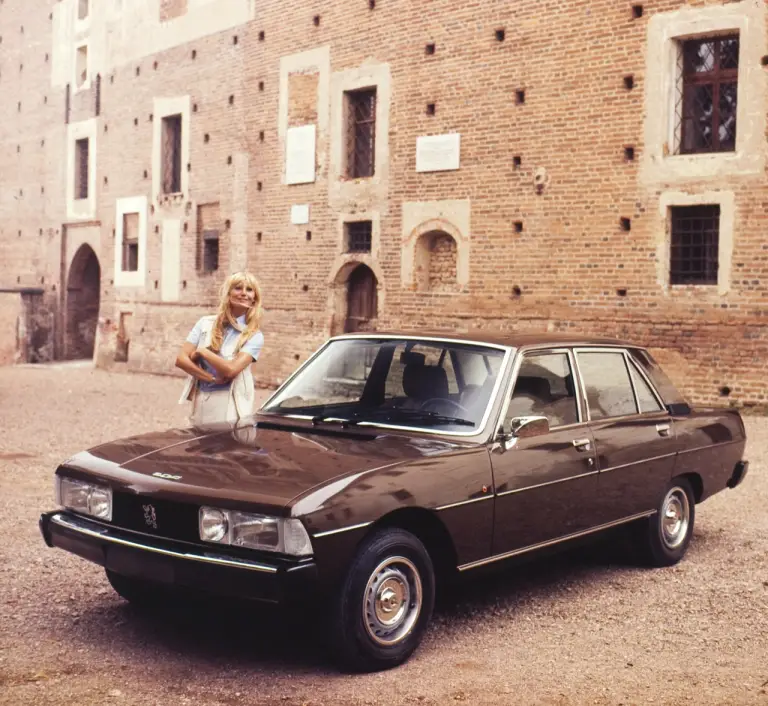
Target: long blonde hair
(225, 317)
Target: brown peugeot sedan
(388, 463)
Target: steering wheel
(443, 400)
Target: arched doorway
(362, 299)
(83, 290)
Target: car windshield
(443, 386)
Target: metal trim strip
(328, 533)
(549, 482)
(551, 542)
(463, 502)
(218, 560)
(636, 463)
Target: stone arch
(82, 305)
(355, 296)
(435, 258)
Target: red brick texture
(567, 266)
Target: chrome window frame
(628, 362)
(578, 389)
(509, 352)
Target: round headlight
(213, 524)
(100, 503)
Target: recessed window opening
(361, 132)
(694, 244)
(81, 169)
(130, 254)
(358, 236)
(708, 78)
(210, 250)
(171, 154)
(81, 66)
(82, 9)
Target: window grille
(695, 243)
(361, 133)
(708, 71)
(359, 236)
(171, 154)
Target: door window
(544, 387)
(645, 396)
(607, 384)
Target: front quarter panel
(455, 487)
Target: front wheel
(665, 536)
(385, 602)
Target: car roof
(513, 339)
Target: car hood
(264, 464)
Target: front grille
(161, 518)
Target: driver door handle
(582, 444)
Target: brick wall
(545, 117)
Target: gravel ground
(585, 628)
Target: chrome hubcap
(393, 597)
(675, 518)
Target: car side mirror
(523, 428)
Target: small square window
(358, 236)
(695, 242)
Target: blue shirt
(252, 346)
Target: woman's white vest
(241, 387)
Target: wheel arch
(430, 530)
(697, 484)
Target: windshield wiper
(433, 416)
(325, 418)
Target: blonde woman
(219, 351)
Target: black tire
(664, 537)
(142, 594)
(392, 572)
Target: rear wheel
(665, 536)
(385, 602)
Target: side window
(645, 396)
(545, 387)
(606, 380)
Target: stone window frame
(726, 200)
(163, 108)
(123, 206)
(452, 217)
(666, 31)
(81, 209)
(373, 189)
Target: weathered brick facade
(557, 217)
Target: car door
(633, 432)
(544, 485)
